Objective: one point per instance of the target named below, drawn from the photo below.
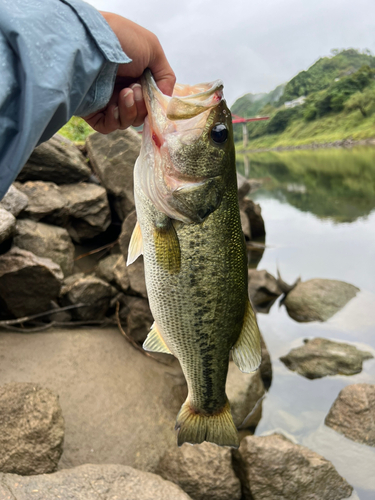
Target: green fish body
(190, 234)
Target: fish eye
(219, 133)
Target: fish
(189, 232)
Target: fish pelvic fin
(246, 352)
(155, 342)
(135, 246)
(194, 427)
(167, 246)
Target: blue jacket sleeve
(58, 58)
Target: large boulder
(57, 160)
(46, 202)
(245, 392)
(265, 365)
(203, 471)
(90, 482)
(321, 357)
(45, 240)
(254, 214)
(113, 157)
(106, 267)
(318, 299)
(28, 283)
(138, 318)
(121, 274)
(7, 224)
(353, 413)
(274, 467)
(263, 287)
(14, 201)
(31, 429)
(91, 291)
(88, 208)
(136, 273)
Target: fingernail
(137, 90)
(129, 99)
(116, 113)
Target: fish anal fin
(135, 246)
(167, 246)
(155, 342)
(194, 427)
(246, 352)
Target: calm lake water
(319, 212)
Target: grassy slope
(76, 130)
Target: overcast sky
(252, 45)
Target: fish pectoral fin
(135, 246)
(246, 352)
(155, 342)
(167, 246)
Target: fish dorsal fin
(167, 246)
(135, 246)
(155, 342)
(246, 352)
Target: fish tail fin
(194, 427)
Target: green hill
(336, 100)
(250, 104)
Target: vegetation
(76, 130)
(339, 103)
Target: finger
(162, 72)
(127, 108)
(140, 104)
(103, 121)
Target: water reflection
(334, 183)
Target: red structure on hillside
(239, 119)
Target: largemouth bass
(190, 234)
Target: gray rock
(136, 273)
(31, 429)
(243, 186)
(203, 471)
(321, 357)
(105, 268)
(353, 413)
(113, 157)
(245, 391)
(46, 202)
(121, 275)
(14, 201)
(45, 240)
(28, 283)
(265, 365)
(89, 210)
(245, 224)
(138, 317)
(126, 233)
(263, 287)
(7, 224)
(254, 213)
(318, 299)
(119, 406)
(274, 467)
(95, 293)
(90, 482)
(57, 160)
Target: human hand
(126, 106)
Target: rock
(119, 405)
(136, 273)
(7, 224)
(14, 201)
(263, 287)
(321, 357)
(89, 290)
(57, 160)
(274, 467)
(353, 413)
(265, 365)
(245, 391)
(88, 208)
(47, 241)
(245, 223)
(31, 429)
(318, 299)
(90, 482)
(28, 283)
(243, 186)
(113, 157)
(254, 213)
(120, 273)
(46, 202)
(105, 269)
(138, 318)
(203, 471)
(126, 233)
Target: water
(319, 212)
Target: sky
(252, 45)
